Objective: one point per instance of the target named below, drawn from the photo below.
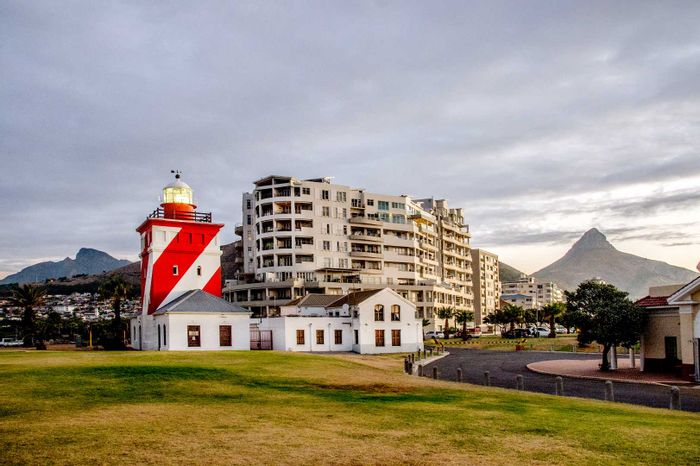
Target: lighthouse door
(260, 339)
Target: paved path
(504, 366)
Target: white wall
(410, 327)
(176, 331)
(284, 333)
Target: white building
(366, 322)
(486, 285)
(542, 293)
(523, 300)
(312, 236)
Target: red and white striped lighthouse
(180, 249)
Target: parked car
(539, 331)
(516, 333)
(433, 334)
(458, 334)
(11, 342)
(560, 329)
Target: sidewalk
(588, 369)
(426, 361)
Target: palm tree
(463, 317)
(497, 317)
(551, 312)
(446, 313)
(116, 290)
(28, 296)
(513, 315)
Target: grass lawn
(286, 408)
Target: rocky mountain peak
(592, 239)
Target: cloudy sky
(541, 119)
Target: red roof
(653, 301)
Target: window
(300, 337)
(319, 337)
(175, 271)
(378, 313)
(306, 190)
(383, 205)
(370, 201)
(247, 204)
(395, 313)
(326, 211)
(326, 245)
(225, 335)
(249, 220)
(341, 196)
(193, 340)
(165, 336)
(379, 338)
(357, 337)
(158, 337)
(398, 205)
(199, 270)
(325, 194)
(338, 337)
(396, 338)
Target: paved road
(505, 366)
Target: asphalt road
(505, 366)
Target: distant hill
(87, 262)
(593, 256)
(508, 273)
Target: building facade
(542, 293)
(671, 338)
(365, 322)
(486, 284)
(313, 236)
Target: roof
(356, 297)
(200, 301)
(652, 301)
(314, 300)
(690, 288)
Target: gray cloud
(483, 103)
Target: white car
(539, 332)
(11, 342)
(433, 334)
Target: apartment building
(314, 236)
(543, 293)
(486, 284)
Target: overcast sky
(541, 119)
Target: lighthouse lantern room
(181, 280)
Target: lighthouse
(181, 299)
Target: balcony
(373, 255)
(368, 238)
(203, 217)
(360, 220)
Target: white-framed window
(175, 270)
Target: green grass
(285, 408)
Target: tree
(513, 315)
(116, 290)
(605, 314)
(446, 313)
(497, 317)
(551, 312)
(463, 317)
(29, 297)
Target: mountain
(592, 256)
(508, 273)
(87, 261)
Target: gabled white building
(366, 322)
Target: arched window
(395, 313)
(378, 312)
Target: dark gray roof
(199, 301)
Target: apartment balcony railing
(374, 255)
(361, 220)
(369, 238)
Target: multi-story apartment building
(486, 284)
(313, 236)
(543, 292)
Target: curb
(427, 361)
(590, 377)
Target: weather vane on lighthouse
(177, 173)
